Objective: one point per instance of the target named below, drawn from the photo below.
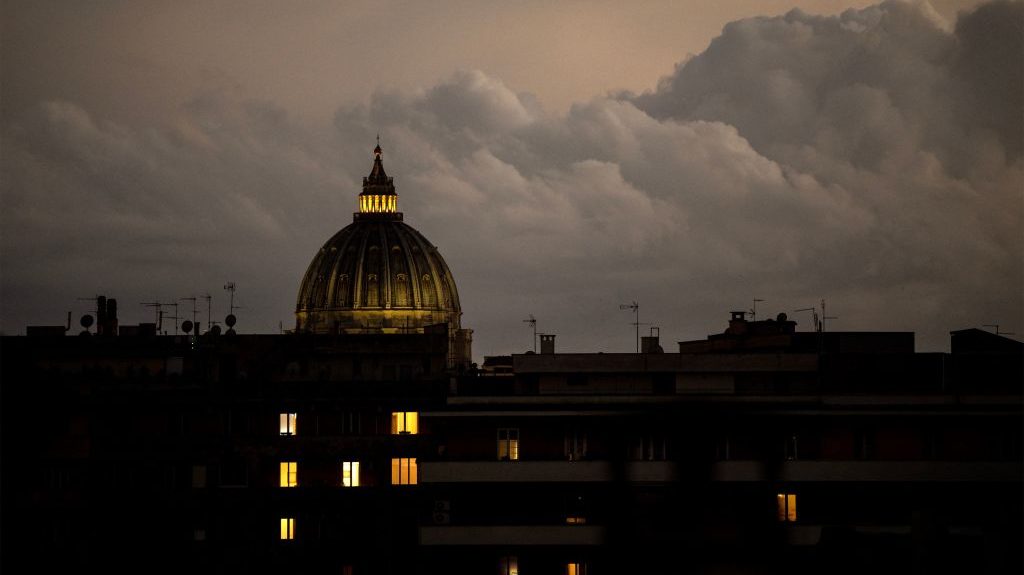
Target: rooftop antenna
(160, 313)
(814, 316)
(230, 287)
(996, 326)
(193, 300)
(753, 310)
(174, 317)
(209, 310)
(636, 320)
(824, 316)
(533, 323)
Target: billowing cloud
(871, 158)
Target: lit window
(350, 474)
(403, 471)
(576, 520)
(508, 444)
(289, 474)
(287, 528)
(405, 422)
(508, 565)
(576, 568)
(287, 423)
(786, 506)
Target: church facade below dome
(380, 275)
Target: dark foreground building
(364, 453)
(365, 442)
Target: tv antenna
(209, 310)
(996, 326)
(230, 288)
(533, 323)
(824, 316)
(814, 316)
(635, 307)
(194, 312)
(159, 313)
(753, 310)
(174, 317)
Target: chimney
(111, 323)
(737, 323)
(547, 342)
(649, 344)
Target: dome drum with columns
(379, 275)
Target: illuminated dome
(379, 275)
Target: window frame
(403, 424)
(404, 471)
(288, 424)
(508, 443)
(289, 476)
(350, 474)
(287, 529)
(786, 507)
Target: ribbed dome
(377, 265)
(380, 275)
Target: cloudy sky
(565, 157)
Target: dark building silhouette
(363, 444)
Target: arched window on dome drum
(317, 289)
(342, 291)
(371, 267)
(372, 291)
(429, 295)
(401, 290)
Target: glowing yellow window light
(576, 520)
(289, 474)
(508, 444)
(576, 568)
(287, 528)
(377, 204)
(405, 422)
(509, 565)
(403, 471)
(350, 474)
(287, 423)
(786, 503)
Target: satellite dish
(781, 317)
(229, 332)
(186, 326)
(230, 320)
(86, 321)
(215, 330)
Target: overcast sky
(565, 157)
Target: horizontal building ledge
(665, 471)
(514, 471)
(506, 535)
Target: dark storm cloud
(872, 158)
